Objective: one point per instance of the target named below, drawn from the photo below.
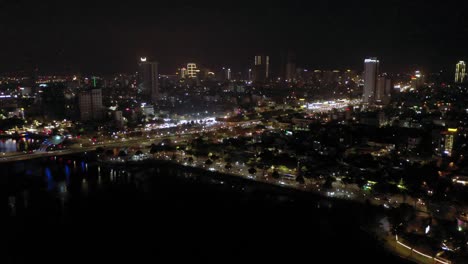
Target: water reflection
(69, 184)
(84, 187)
(62, 193)
(67, 174)
(12, 205)
(155, 196)
(50, 179)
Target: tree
(328, 182)
(208, 162)
(252, 170)
(300, 179)
(228, 166)
(166, 141)
(153, 149)
(275, 174)
(227, 159)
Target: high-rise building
(417, 80)
(290, 72)
(118, 118)
(192, 70)
(447, 141)
(225, 74)
(460, 72)
(90, 103)
(371, 70)
(182, 73)
(383, 90)
(261, 71)
(289, 67)
(148, 80)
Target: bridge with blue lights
(51, 141)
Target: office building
(192, 70)
(417, 80)
(118, 118)
(447, 141)
(383, 90)
(148, 87)
(225, 74)
(289, 67)
(371, 71)
(182, 73)
(90, 103)
(261, 71)
(460, 72)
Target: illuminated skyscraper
(417, 80)
(383, 90)
(261, 71)
(447, 141)
(460, 72)
(371, 70)
(148, 87)
(289, 67)
(182, 73)
(192, 70)
(90, 103)
(227, 74)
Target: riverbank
(223, 175)
(157, 210)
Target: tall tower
(225, 74)
(90, 103)
(383, 90)
(182, 73)
(460, 72)
(371, 70)
(192, 70)
(148, 80)
(261, 71)
(290, 71)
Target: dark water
(71, 211)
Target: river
(73, 210)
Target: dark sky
(105, 36)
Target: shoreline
(385, 243)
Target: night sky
(106, 37)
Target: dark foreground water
(68, 210)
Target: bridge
(51, 141)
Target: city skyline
(110, 37)
(226, 130)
